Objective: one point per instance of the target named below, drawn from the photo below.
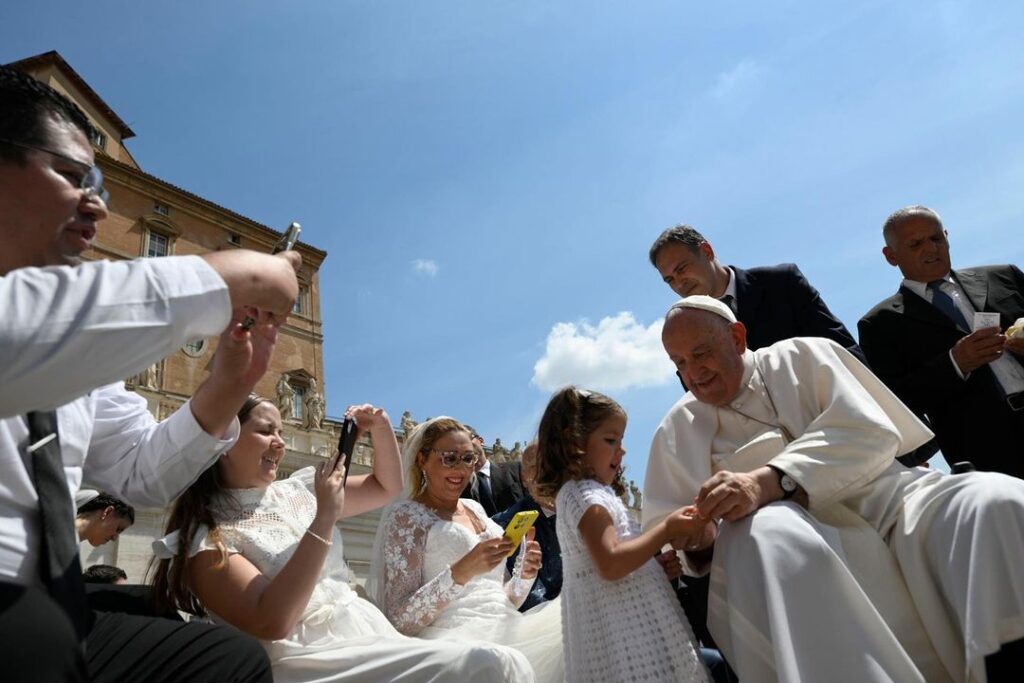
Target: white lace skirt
(354, 642)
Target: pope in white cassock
(832, 562)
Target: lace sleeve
(411, 601)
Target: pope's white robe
(891, 574)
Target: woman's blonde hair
(420, 442)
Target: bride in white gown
(438, 567)
(266, 556)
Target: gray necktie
(944, 302)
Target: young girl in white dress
(266, 556)
(620, 619)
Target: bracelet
(318, 537)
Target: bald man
(832, 561)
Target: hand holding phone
(518, 526)
(346, 446)
(286, 243)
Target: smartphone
(346, 446)
(518, 526)
(287, 242)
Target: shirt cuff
(184, 431)
(956, 367)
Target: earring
(423, 480)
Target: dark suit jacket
(506, 486)
(549, 579)
(907, 342)
(777, 302)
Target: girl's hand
(484, 557)
(532, 560)
(670, 564)
(329, 491)
(689, 531)
(367, 417)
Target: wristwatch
(786, 482)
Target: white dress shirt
(67, 337)
(1009, 374)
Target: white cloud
(617, 353)
(737, 80)
(425, 266)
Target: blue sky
(487, 176)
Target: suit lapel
(975, 286)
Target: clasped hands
(725, 495)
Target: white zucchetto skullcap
(704, 303)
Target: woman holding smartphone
(266, 556)
(438, 567)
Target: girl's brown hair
(571, 416)
(192, 509)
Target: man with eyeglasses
(69, 331)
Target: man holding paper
(939, 344)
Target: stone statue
(624, 496)
(314, 408)
(637, 495)
(498, 452)
(407, 424)
(285, 398)
(516, 453)
(150, 377)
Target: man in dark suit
(922, 342)
(549, 579)
(497, 485)
(773, 302)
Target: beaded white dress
(412, 564)
(632, 629)
(340, 636)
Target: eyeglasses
(454, 458)
(91, 182)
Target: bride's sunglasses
(454, 458)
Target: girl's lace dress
(632, 629)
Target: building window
(299, 402)
(157, 245)
(100, 140)
(301, 301)
(195, 349)
(161, 209)
(234, 239)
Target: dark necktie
(730, 301)
(485, 493)
(944, 302)
(59, 568)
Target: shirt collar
(486, 469)
(730, 289)
(921, 288)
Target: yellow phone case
(518, 526)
